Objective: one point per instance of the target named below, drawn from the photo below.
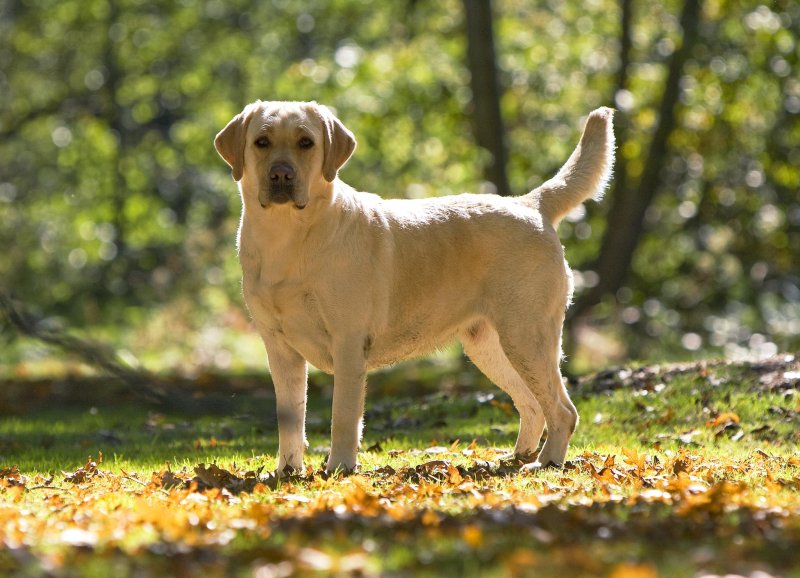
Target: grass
(674, 471)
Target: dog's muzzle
(281, 179)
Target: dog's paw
(523, 457)
(335, 467)
(287, 471)
(344, 462)
(341, 470)
(538, 466)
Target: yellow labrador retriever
(349, 281)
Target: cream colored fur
(349, 282)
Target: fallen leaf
(730, 428)
(723, 419)
(165, 479)
(86, 473)
(12, 477)
(454, 476)
(375, 448)
(214, 477)
(681, 464)
(738, 435)
(765, 433)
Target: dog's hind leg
(482, 346)
(534, 351)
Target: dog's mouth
(280, 194)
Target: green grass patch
(673, 471)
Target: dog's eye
(305, 143)
(262, 142)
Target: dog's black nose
(281, 173)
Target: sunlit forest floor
(675, 470)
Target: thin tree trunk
(626, 218)
(489, 131)
(625, 44)
(114, 117)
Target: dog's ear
(339, 143)
(230, 141)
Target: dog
(350, 282)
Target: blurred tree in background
(117, 216)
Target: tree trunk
(625, 222)
(114, 117)
(489, 131)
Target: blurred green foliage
(114, 204)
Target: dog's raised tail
(585, 174)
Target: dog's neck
(284, 226)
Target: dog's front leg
(349, 387)
(290, 377)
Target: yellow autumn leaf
(634, 458)
(723, 418)
(454, 475)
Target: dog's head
(283, 152)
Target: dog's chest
(291, 311)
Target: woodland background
(118, 219)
